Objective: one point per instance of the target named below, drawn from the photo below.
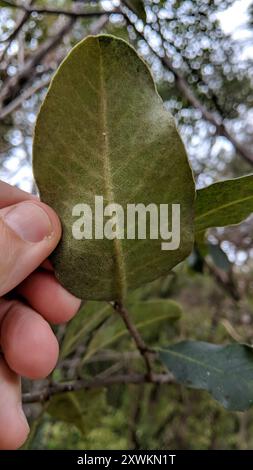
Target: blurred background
(201, 56)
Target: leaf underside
(224, 371)
(103, 130)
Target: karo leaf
(144, 314)
(137, 6)
(224, 203)
(84, 409)
(224, 371)
(104, 131)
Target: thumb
(29, 232)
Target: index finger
(11, 195)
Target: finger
(29, 232)
(10, 195)
(30, 348)
(14, 427)
(44, 293)
(47, 265)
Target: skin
(30, 299)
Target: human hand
(29, 232)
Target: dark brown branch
(14, 104)
(12, 86)
(74, 13)
(46, 393)
(192, 99)
(25, 16)
(140, 344)
(95, 28)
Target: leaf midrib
(224, 206)
(191, 359)
(120, 278)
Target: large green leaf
(103, 130)
(225, 371)
(83, 408)
(144, 314)
(224, 203)
(137, 6)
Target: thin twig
(223, 279)
(23, 19)
(103, 356)
(192, 99)
(98, 25)
(46, 393)
(17, 102)
(12, 86)
(74, 13)
(140, 343)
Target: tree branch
(12, 86)
(95, 28)
(46, 393)
(223, 279)
(74, 13)
(14, 104)
(24, 17)
(140, 344)
(192, 99)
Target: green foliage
(225, 371)
(146, 316)
(224, 203)
(170, 416)
(115, 141)
(83, 408)
(81, 328)
(105, 269)
(8, 4)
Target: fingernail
(29, 221)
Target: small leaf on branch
(224, 371)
